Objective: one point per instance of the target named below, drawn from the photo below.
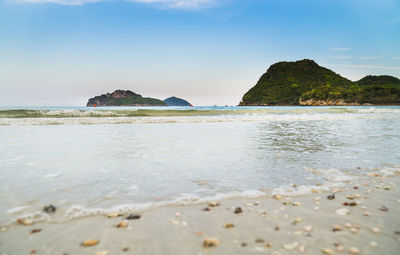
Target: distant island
(306, 83)
(175, 101)
(124, 98)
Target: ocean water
(89, 161)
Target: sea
(94, 161)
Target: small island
(124, 98)
(306, 83)
(175, 101)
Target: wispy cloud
(174, 4)
(397, 58)
(369, 58)
(366, 67)
(341, 49)
(342, 57)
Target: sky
(62, 52)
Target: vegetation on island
(306, 83)
(175, 101)
(124, 98)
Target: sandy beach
(362, 218)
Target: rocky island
(306, 83)
(175, 101)
(124, 98)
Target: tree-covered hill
(306, 83)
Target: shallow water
(137, 162)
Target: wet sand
(309, 224)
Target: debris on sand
(331, 197)
(229, 225)
(25, 221)
(384, 208)
(37, 230)
(122, 224)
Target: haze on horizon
(62, 52)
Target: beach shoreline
(310, 224)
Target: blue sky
(61, 52)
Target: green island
(304, 82)
(124, 98)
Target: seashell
(336, 228)
(296, 204)
(102, 253)
(308, 228)
(290, 246)
(210, 242)
(302, 248)
(354, 250)
(122, 224)
(350, 197)
(268, 245)
(114, 215)
(367, 214)
(213, 204)
(297, 220)
(297, 233)
(317, 198)
(25, 221)
(88, 243)
(327, 251)
(177, 214)
(375, 230)
(277, 197)
(184, 224)
(348, 225)
(342, 211)
(354, 230)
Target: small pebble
(37, 230)
(210, 242)
(373, 244)
(297, 233)
(297, 220)
(331, 197)
(184, 224)
(214, 204)
(88, 243)
(296, 204)
(375, 230)
(256, 203)
(354, 250)
(290, 246)
(277, 228)
(354, 230)
(206, 209)
(348, 225)
(259, 240)
(308, 228)
(177, 214)
(125, 249)
(302, 248)
(102, 253)
(49, 209)
(114, 215)
(243, 244)
(268, 245)
(25, 221)
(384, 208)
(336, 228)
(264, 214)
(317, 198)
(229, 225)
(238, 210)
(122, 224)
(367, 214)
(342, 211)
(133, 216)
(277, 197)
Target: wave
(131, 116)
